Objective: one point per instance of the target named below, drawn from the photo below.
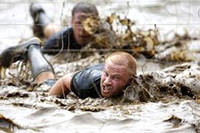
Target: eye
(105, 74)
(116, 77)
(78, 23)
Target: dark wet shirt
(86, 83)
(62, 40)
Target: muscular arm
(62, 86)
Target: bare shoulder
(67, 80)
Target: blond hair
(124, 59)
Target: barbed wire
(132, 1)
(151, 24)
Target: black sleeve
(86, 83)
(57, 41)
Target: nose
(82, 30)
(107, 81)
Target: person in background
(74, 37)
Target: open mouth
(106, 89)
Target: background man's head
(120, 68)
(85, 8)
(80, 12)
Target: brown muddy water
(28, 108)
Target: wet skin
(81, 36)
(114, 79)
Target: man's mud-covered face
(114, 79)
(81, 36)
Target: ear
(132, 77)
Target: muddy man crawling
(102, 80)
